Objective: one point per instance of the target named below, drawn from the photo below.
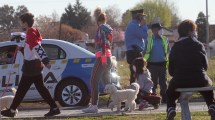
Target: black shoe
(52, 112)
(211, 111)
(8, 113)
(171, 113)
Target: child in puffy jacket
(143, 78)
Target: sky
(187, 9)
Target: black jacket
(188, 60)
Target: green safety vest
(149, 48)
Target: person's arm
(145, 32)
(37, 49)
(103, 39)
(171, 61)
(41, 54)
(139, 31)
(168, 46)
(204, 57)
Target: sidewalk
(67, 112)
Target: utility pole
(60, 29)
(207, 30)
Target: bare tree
(55, 17)
(50, 29)
(113, 15)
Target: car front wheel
(72, 93)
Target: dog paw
(130, 111)
(118, 111)
(126, 109)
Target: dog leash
(13, 61)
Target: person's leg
(39, 84)
(172, 96)
(208, 97)
(23, 87)
(210, 101)
(106, 75)
(163, 82)
(154, 74)
(131, 55)
(132, 77)
(95, 77)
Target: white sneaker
(91, 109)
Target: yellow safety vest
(149, 48)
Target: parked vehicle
(68, 80)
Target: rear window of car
(7, 54)
(54, 52)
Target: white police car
(68, 80)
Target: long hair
(140, 65)
(99, 15)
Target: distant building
(212, 48)
(212, 32)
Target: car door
(51, 77)
(9, 69)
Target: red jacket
(33, 53)
(32, 48)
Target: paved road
(67, 112)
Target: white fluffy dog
(118, 96)
(7, 100)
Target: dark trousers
(159, 75)
(25, 84)
(172, 95)
(131, 55)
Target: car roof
(72, 50)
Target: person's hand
(19, 48)
(143, 21)
(104, 61)
(48, 66)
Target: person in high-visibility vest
(157, 57)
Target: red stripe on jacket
(33, 38)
